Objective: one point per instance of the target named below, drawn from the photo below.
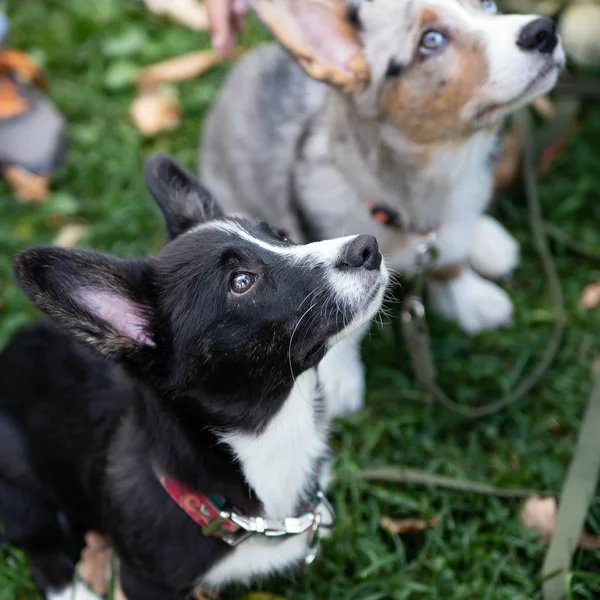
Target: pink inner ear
(120, 313)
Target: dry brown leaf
(549, 156)
(578, 27)
(507, 169)
(190, 13)
(95, 566)
(181, 68)
(69, 235)
(154, 110)
(589, 541)
(545, 107)
(590, 298)
(21, 64)
(27, 186)
(540, 514)
(407, 525)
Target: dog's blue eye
(242, 282)
(431, 42)
(490, 6)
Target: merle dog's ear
(183, 201)
(322, 35)
(103, 301)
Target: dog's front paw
(342, 379)
(495, 253)
(476, 304)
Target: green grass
(478, 549)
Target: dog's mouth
(488, 113)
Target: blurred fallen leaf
(589, 541)
(27, 186)
(507, 169)
(544, 107)
(20, 64)
(69, 235)
(590, 298)
(94, 566)
(407, 525)
(181, 68)
(155, 109)
(190, 13)
(540, 514)
(578, 27)
(549, 156)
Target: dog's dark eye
(490, 6)
(432, 41)
(242, 282)
(282, 233)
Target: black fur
(169, 356)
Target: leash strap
(414, 325)
(575, 499)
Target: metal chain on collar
(414, 324)
(311, 521)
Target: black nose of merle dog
(539, 35)
(362, 251)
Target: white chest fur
(279, 465)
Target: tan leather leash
(413, 318)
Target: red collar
(228, 523)
(203, 510)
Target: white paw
(77, 591)
(476, 304)
(495, 253)
(342, 378)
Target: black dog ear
(102, 300)
(183, 201)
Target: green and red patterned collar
(216, 518)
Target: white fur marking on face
(279, 465)
(348, 286)
(511, 69)
(325, 251)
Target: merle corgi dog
(173, 403)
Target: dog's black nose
(362, 251)
(539, 35)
